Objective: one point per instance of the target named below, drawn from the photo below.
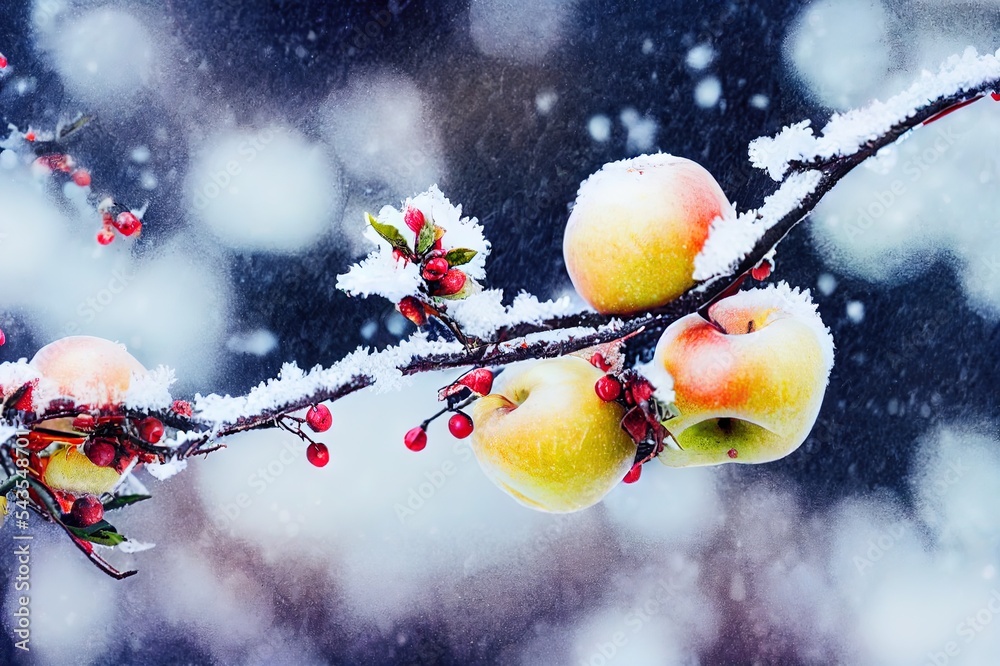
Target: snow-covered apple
(546, 438)
(636, 228)
(92, 371)
(748, 384)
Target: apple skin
(547, 440)
(92, 371)
(69, 470)
(635, 230)
(751, 383)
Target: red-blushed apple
(546, 439)
(92, 371)
(636, 228)
(749, 383)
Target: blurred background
(877, 542)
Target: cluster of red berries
(61, 163)
(319, 419)
(126, 223)
(478, 382)
(437, 266)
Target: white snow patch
(707, 92)
(856, 311)
(599, 127)
(163, 471)
(266, 189)
(521, 30)
(150, 391)
(484, 313)
(259, 342)
(700, 57)
(383, 129)
(826, 284)
(641, 131)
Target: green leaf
(460, 256)
(389, 233)
(124, 500)
(102, 533)
(426, 237)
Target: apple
(749, 383)
(92, 371)
(70, 470)
(547, 440)
(636, 228)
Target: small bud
(413, 310)
(733, 453)
(81, 177)
(414, 219)
(182, 407)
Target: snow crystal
(730, 239)
(846, 133)
(856, 311)
(260, 342)
(707, 92)
(599, 127)
(662, 381)
(163, 471)
(380, 273)
(522, 30)
(483, 313)
(545, 101)
(641, 131)
(292, 383)
(150, 391)
(265, 189)
(132, 546)
(760, 101)
(700, 56)
(826, 284)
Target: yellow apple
(547, 440)
(92, 371)
(69, 470)
(635, 230)
(749, 383)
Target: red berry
(84, 422)
(733, 453)
(86, 511)
(598, 361)
(460, 425)
(452, 283)
(414, 219)
(608, 388)
(435, 269)
(30, 135)
(151, 429)
(761, 272)
(182, 407)
(995, 96)
(101, 451)
(81, 177)
(415, 439)
(106, 235)
(3, 61)
(127, 223)
(319, 418)
(318, 454)
(3, 338)
(633, 474)
(413, 310)
(479, 380)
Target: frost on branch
(846, 133)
